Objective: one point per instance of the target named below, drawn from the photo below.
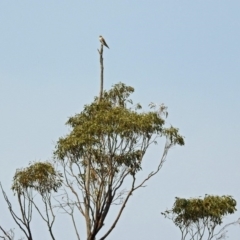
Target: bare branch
(21, 223)
(120, 212)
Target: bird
(103, 42)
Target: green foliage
(211, 207)
(39, 176)
(198, 214)
(109, 130)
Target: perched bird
(103, 42)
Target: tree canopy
(197, 217)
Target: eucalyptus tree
(104, 152)
(39, 178)
(199, 218)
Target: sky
(184, 54)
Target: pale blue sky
(185, 54)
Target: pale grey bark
(101, 72)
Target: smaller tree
(40, 178)
(197, 218)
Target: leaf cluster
(40, 176)
(211, 208)
(109, 130)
